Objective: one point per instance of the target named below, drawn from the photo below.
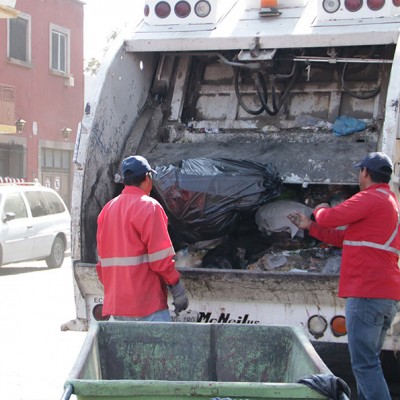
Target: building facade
(41, 91)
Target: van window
(15, 203)
(37, 203)
(54, 203)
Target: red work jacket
(135, 255)
(370, 242)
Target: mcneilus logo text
(223, 318)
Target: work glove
(181, 301)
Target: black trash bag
(327, 384)
(203, 197)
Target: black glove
(181, 301)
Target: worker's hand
(300, 220)
(181, 301)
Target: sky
(102, 17)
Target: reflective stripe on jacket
(135, 255)
(387, 245)
(134, 261)
(370, 242)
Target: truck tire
(56, 257)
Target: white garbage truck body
(254, 81)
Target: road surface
(35, 355)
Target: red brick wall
(42, 96)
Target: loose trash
(272, 217)
(345, 125)
(220, 398)
(227, 214)
(224, 256)
(332, 265)
(188, 259)
(328, 385)
(305, 121)
(276, 261)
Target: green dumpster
(170, 361)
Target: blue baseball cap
(377, 162)
(136, 165)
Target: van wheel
(56, 257)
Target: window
(37, 203)
(19, 38)
(15, 204)
(59, 49)
(54, 203)
(12, 160)
(55, 159)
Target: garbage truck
(242, 106)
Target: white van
(35, 224)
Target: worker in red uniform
(369, 273)
(135, 253)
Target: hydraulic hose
(359, 96)
(240, 98)
(263, 95)
(261, 87)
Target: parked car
(35, 224)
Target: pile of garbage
(231, 214)
(320, 258)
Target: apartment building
(41, 90)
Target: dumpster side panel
(92, 365)
(161, 352)
(250, 353)
(302, 358)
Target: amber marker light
(269, 4)
(338, 326)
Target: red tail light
(331, 6)
(396, 3)
(182, 9)
(375, 4)
(98, 313)
(202, 8)
(146, 10)
(162, 9)
(353, 5)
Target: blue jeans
(158, 316)
(367, 321)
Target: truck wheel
(56, 257)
